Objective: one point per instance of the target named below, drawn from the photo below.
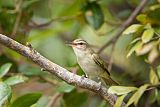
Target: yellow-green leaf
(120, 90)
(147, 35)
(137, 95)
(5, 93)
(4, 69)
(133, 28)
(120, 100)
(137, 46)
(16, 79)
(153, 77)
(153, 96)
(158, 71)
(142, 18)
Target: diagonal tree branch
(124, 25)
(57, 70)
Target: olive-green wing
(100, 62)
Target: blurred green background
(48, 24)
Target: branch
(57, 70)
(18, 17)
(124, 25)
(63, 18)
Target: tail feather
(109, 81)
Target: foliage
(48, 24)
(5, 85)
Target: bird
(91, 63)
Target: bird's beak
(69, 43)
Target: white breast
(87, 63)
(89, 66)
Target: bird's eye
(80, 43)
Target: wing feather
(100, 62)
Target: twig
(57, 70)
(111, 58)
(35, 25)
(18, 18)
(124, 25)
(54, 99)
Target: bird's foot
(99, 85)
(30, 47)
(43, 69)
(84, 76)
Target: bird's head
(79, 44)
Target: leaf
(142, 18)
(133, 29)
(153, 95)
(26, 100)
(154, 53)
(135, 40)
(65, 88)
(153, 77)
(120, 90)
(4, 69)
(75, 99)
(158, 97)
(15, 79)
(93, 14)
(120, 100)
(158, 71)
(147, 35)
(137, 46)
(137, 95)
(5, 93)
(43, 101)
(146, 48)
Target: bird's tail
(109, 81)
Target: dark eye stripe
(80, 43)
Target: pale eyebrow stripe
(82, 41)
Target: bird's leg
(43, 69)
(30, 47)
(99, 81)
(84, 76)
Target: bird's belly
(90, 67)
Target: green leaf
(153, 77)
(5, 93)
(136, 47)
(120, 90)
(15, 79)
(154, 15)
(158, 97)
(135, 40)
(147, 35)
(153, 96)
(158, 71)
(137, 95)
(65, 88)
(43, 101)
(93, 14)
(4, 69)
(142, 18)
(133, 29)
(120, 100)
(75, 98)
(26, 100)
